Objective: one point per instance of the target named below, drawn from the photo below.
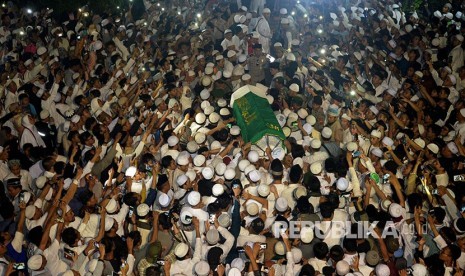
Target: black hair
(326, 210)
(336, 253)
(321, 250)
(69, 236)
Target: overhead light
(322, 51)
(320, 31)
(293, 13)
(305, 15)
(199, 15)
(321, 17)
(352, 92)
(29, 11)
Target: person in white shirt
(184, 263)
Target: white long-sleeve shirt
(186, 266)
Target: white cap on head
(199, 160)
(306, 234)
(254, 176)
(181, 180)
(131, 171)
(382, 270)
(253, 156)
(342, 184)
(164, 200)
(352, 146)
(376, 133)
(263, 190)
(315, 144)
(112, 206)
(281, 204)
(229, 174)
(433, 148)
(173, 141)
(243, 164)
(181, 250)
(377, 152)
(294, 87)
(395, 210)
(326, 132)
(342, 267)
(208, 173)
(142, 209)
(420, 142)
(316, 168)
(252, 209)
(202, 268)
(30, 211)
(374, 109)
(218, 190)
(193, 198)
(183, 159)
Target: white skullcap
(131, 171)
(326, 132)
(181, 250)
(142, 209)
(192, 147)
(193, 198)
(207, 173)
(112, 206)
(263, 190)
(420, 142)
(229, 174)
(253, 156)
(377, 152)
(220, 168)
(200, 118)
(382, 270)
(395, 210)
(30, 211)
(252, 209)
(173, 141)
(200, 138)
(181, 180)
(306, 234)
(376, 133)
(342, 268)
(183, 159)
(202, 268)
(243, 164)
(204, 94)
(217, 190)
(254, 176)
(433, 148)
(213, 118)
(281, 204)
(294, 87)
(342, 184)
(316, 168)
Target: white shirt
(55, 265)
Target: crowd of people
(121, 154)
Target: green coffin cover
(256, 118)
